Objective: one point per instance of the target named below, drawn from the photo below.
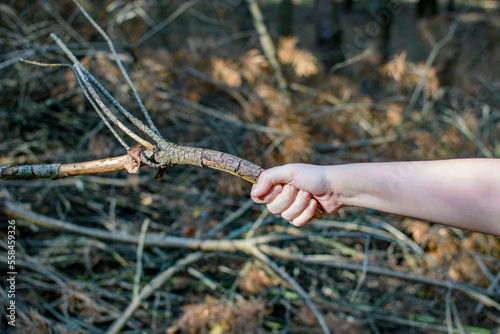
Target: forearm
(463, 193)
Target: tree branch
(59, 171)
(162, 155)
(267, 45)
(170, 156)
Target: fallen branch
(296, 286)
(59, 171)
(267, 45)
(480, 295)
(151, 287)
(247, 246)
(172, 155)
(162, 154)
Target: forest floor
(192, 253)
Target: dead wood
(162, 154)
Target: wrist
(349, 183)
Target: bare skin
(463, 193)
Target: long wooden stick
(172, 155)
(59, 171)
(162, 154)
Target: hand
(294, 190)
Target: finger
(307, 215)
(283, 200)
(270, 177)
(300, 204)
(269, 196)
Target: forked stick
(162, 154)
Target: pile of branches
(192, 253)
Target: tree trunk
(426, 8)
(385, 19)
(246, 22)
(348, 5)
(451, 6)
(286, 26)
(328, 32)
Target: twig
(164, 23)
(493, 281)
(58, 171)
(257, 223)
(373, 326)
(140, 249)
(89, 90)
(230, 218)
(120, 65)
(339, 107)
(348, 62)
(267, 45)
(402, 238)
(456, 315)
(173, 155)
(315, 93)
(148, 290)
(449, 318)
(134, 120)
(490, 289)
(64, 23)
(214, 286)
(32, 62)
(425, 326)
(99, 112)
(362, 278)
(473, 292)
(430, 60)
(151, 239)
(230, 119)
(293, 283)
(86, 78)
(358, 143)
(458, 121)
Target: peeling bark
(59, 171)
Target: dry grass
(207, 86)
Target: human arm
(463, 193)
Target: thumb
(269, 177)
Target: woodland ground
(206, 83)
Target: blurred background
(341, 82)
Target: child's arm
(463, 193)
